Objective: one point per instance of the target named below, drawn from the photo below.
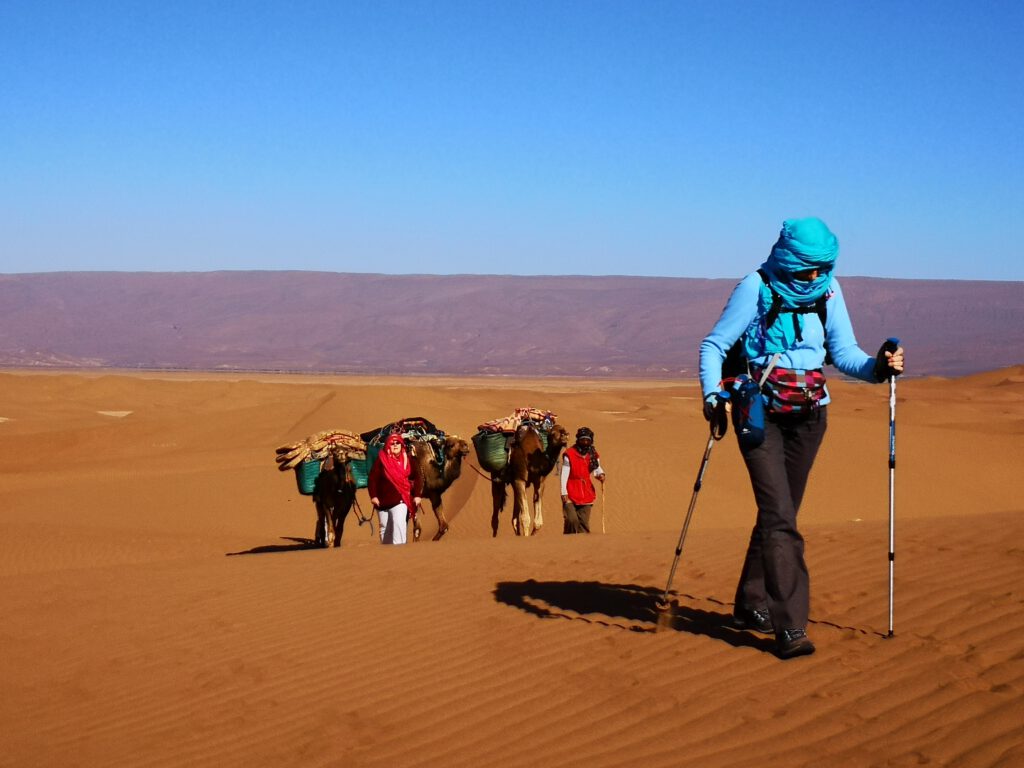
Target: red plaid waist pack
(789, 390)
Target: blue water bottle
(747, 412)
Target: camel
(528, 465)
(333, 496)
(436, 481)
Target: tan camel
(333, 496)
(528, 466)
(435, 480)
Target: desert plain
(163, 604)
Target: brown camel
(435, 480)
(333, 496)
(528, 465)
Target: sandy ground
(162, 605)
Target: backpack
(736, 363)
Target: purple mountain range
(460, 324)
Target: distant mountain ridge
(458, 324)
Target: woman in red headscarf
(395, 486)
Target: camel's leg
(342, 506)
(538, 511)
(442, 523)
(498, 496)
(329, 532)
(521, 510)
(333, 538)
(320, 531)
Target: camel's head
(558, 436)
(338, 458)
(455, 447)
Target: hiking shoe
(793, 642)
(757, 619)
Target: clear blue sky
(639, 138)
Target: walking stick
(718, 425)
(891, 345)
(602, 508)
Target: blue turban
(803, 244)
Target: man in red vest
(579, 464)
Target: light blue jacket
(742, 315)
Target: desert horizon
(165, 604)
(604, 327)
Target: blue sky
(638, 138)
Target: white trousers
(393, 524)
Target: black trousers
(774, 574)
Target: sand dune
(162, 605)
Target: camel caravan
(519, 450)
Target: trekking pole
(718, 425)
(891, 345)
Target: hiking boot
(757, 619)
(793, 642)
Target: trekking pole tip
(664, 613)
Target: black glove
(710, 403)
(714, 412)
(882, 368)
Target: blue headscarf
(803, 244)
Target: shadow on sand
(296, 545)
(608, 604)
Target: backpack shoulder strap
(821, 307)
(776, 307)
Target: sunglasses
(807, 275)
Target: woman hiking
(786, 319)
(395, 486)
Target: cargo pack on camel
(437, 455)
(520, 450)
(323, 469)
(493, 440)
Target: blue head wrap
(803, 244)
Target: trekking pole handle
(891, 344)
(719, 421)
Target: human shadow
(298, 544)
(625, 606)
